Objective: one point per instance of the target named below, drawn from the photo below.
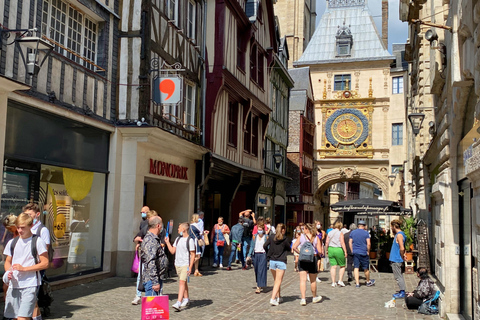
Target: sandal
(258, 290)
(197, 274)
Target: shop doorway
(170, 199)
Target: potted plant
(409, 227)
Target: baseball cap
(362, 222)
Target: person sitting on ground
(425, 290)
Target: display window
(72, 205)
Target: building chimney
(385, 23)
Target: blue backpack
(430, 306)
(307, 252)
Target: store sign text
(165, 169)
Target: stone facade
(445, 86)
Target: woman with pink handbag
(217, 238)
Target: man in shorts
(184, 250)
(22, 270)
(360, 246)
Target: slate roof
(301, 90)
(367, 44)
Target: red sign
(165, 169)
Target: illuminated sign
(167, 90)
(165, 169)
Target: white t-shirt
(182, 257)
(334, 236)
(272, 229)
(23, 256)
(259, 244)
(44, 234)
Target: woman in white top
(337, 252)
(260, 257)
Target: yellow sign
(59, 226)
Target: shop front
(154, 168)
(271, 198)
(61, 165)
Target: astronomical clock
(346, 125)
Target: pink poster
(155, 308)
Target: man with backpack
(154, 259)
(42, 232)
(360, 246)
(184, 250)
(26, 256)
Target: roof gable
(345, 19)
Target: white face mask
(318, 226)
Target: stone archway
(327, 176)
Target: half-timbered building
(57, 119)
(240, 47)
(159, 137)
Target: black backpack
(50, 250)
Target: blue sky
(397, 30)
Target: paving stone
(222, 294)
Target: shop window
(74, 32)
(73, 204)
(342, 82)
(232, 123)
(397, 134)
(397, 85)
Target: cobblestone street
(222, 294)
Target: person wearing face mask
(260, 257)
(138, 240)
(320, 236)
(154, 259)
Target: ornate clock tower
(347, 124)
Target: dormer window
(344, 41)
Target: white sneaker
(279, 299)
(317, 299)
(318, 280)
(185, 302)
(274, 302)
(303, 302)
(334, 284)
(136, 300)
(215, 265)
(177, 306)
(221, 265)
(308, 278)
(341, 284)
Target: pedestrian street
(222, 294)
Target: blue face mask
(34, 220)
(181, 234)
(45, 212)
(260, 232)
(144, 215)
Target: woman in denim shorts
(277, 248)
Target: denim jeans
(232, 256)
(247, 243)
(149, 292)
(139, 293)
(218, 254)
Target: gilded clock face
(347, 128)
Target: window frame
(191, 8)
(79, 36)
(232, 127)
(189, 110)
(397, 134)
(168, 7)
(397, 85)
(342, 81)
